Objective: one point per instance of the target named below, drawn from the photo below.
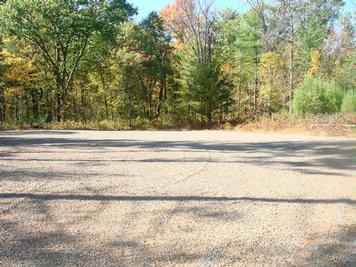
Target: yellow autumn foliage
(272, 81)
(20, 64)
(314, 62)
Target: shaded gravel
(200, 198)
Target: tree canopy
(89, 61)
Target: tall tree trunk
(129, 91)
(129, 96)
(82, 102)
(291, 60)
(58, 106)
(28, 106)
(17, 115)
(106, 106)
(255, 89)
(291, 78)
(105, 95)
(162, 86)
(149, 102)
(64, 103)
(210, 115)
(239, 99)
(75, 103)
(59, 97)
(2, 107)
(35, 111)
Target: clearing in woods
(175, 198)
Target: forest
(90, 61)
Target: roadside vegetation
(330, 125)
(89, 65)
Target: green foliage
(309, 41)
(333, 97)
(272, 79)
(206, 94)
(145, 53)
(241, 45)
(349, 102)
(85, 63)
(62, 32)
(317, 96)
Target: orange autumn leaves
(174, 17)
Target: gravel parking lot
(168, 198)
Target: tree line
(189, 64)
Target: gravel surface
(200, 198)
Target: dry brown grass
(326, 125)
(330, 125)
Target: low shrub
(316, 96)
(348, 102)
(111, 125)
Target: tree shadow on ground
(45, 176)
(208, 213)
(332, 155)
(58, 247)
(22, 245)
(35, 132)
(50, 244)
(337, 252)
(44, 248)
(302, 167)
(52, 197)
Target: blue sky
(147, 6)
